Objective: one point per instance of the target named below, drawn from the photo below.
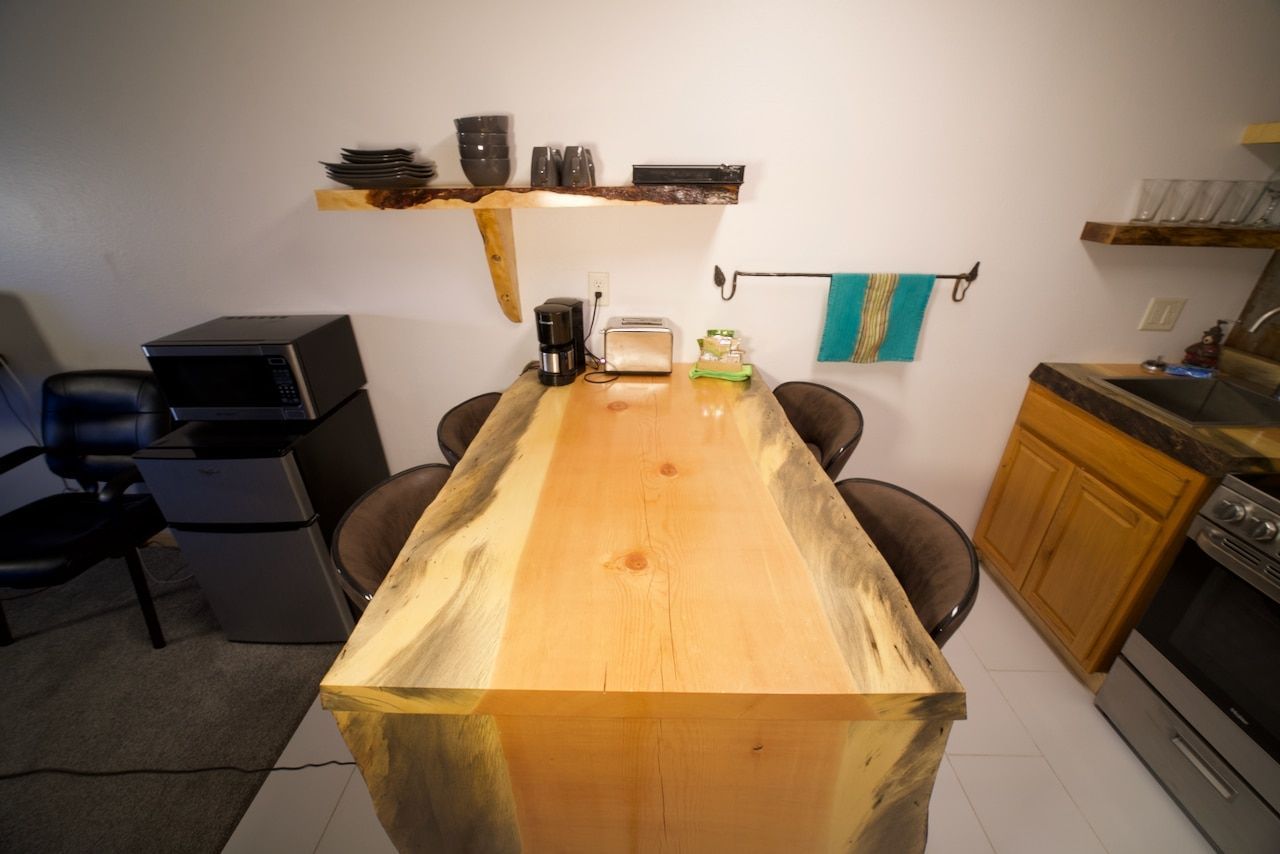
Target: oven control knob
(1261, 530)
(1228, 511)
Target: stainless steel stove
(1196, 689)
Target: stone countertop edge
(1209, 453)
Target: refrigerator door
(232, 491)
(269, 586)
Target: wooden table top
(650, 547)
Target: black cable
(610, 376)
(17, 417)
(595, 310)
(23, 595)
(22, 390)
(72, 772)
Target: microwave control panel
(285, 383)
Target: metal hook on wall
(958, 291)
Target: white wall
(159, 160)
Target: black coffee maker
(561, 344)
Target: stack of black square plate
(379, 169)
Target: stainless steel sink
(1209, 403)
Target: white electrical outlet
(598, 283)
(1162, 313)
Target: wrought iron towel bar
(961, 287)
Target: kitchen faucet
(1258, 322)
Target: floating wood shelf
(1262, 132)
(1133, 234)
(492, 208)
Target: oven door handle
(1197, 762)
(1211, 542)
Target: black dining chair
(93, 421)
(370, 535)
(829, 423)
(933, 559)
(459, 426)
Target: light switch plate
(1162, 313)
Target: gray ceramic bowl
(483, 138)
(486, 172)
(488, 152)
(483, 124)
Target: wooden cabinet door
(1095, 546)
(1027, 490)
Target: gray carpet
(81, 687)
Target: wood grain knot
(618, 405)
(758, 748)
(668, 470)
(636, 562)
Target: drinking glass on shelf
(1270, 200)
(1206, 203)
(1240, 201)
(1178, 201)
(1150, 197)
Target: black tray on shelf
(722, 174)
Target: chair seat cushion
(54, 539)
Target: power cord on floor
(73, 772)
(155, 580)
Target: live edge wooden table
(639, 618)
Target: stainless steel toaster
(638, 345)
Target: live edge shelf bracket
(492, 208)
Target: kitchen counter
(1213, 451)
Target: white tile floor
(1034, 769)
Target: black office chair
(931, 556)
(460, 425)
(93, 421)
(371, 533)
(829, 423)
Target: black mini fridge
(253, 506)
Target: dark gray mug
(545, 171)
(577, 167)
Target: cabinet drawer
(1224, 805)
(1144, 475)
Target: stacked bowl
(483, 144)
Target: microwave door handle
(1219, 785)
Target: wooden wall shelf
(1261, 132)
(492, 207)
(1134, 234)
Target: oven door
(1216, 620)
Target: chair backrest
(460, 425)
(93, 422)
(931, 556)
(370, 535)
(828, 422)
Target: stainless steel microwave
(258, 368)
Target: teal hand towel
(874, 317)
